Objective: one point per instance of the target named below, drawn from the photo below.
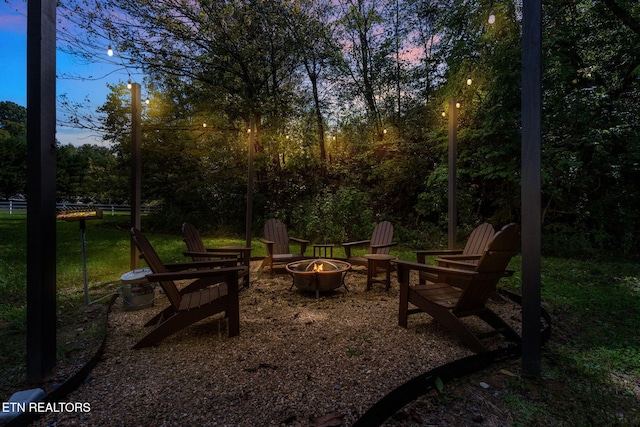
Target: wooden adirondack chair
(277, 240)
(475, 246)
(213, 290)
(448, 304)
(198, 252)
(380, 243)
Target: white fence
(20, 206)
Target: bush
(334, 217)
(566, 240)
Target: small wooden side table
(375, 261)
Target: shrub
(334, 217)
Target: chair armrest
(348, 245)
(269, 244)
(295, 239)
(434, 269)
(359, 242)
(188, 265)
(229, 249)
(422, 254)
(469, 257)
(192, 274)
(303, 243)
(450, 263)
(225, 255)
(438, 251)
(386, 245)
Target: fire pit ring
(318, 274)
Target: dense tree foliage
(348, 99)
(13, 149)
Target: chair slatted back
(479, 239)
(490, 267)
(382, 234)
(276, 231)
(155, 264)
(193, 240)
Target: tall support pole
(249, 218)
(531, 164)
(41, 189)
(453, 185)
(136, 167)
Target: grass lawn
(591, 366)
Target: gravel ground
(298, 361)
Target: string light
(457, 105)
(469, 81)
(109, 51)
(129, 85)
(492, 18)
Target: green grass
(588, 367)
(595, 345)
(108, 253)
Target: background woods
(349, 98)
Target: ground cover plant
(591, 366)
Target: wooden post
(41, 189)
(531, 164)
(136, 168)
(453, 154)
(249, 217)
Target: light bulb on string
(492, 18)
(469, 81)
(109, 51)
(457, 105)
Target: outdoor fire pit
(318, 274)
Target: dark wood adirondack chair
(198, 252)
(380, 243)
(213, 291)
(448, 304)
(278, 250)
(475, 246)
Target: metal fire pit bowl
(330, 277)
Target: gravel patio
(298, 360)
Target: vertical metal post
(249, 218)
(83, 247)
(531, 164)
(453, 154)
(41, 189)
(136, 167)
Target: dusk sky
(13, 84)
